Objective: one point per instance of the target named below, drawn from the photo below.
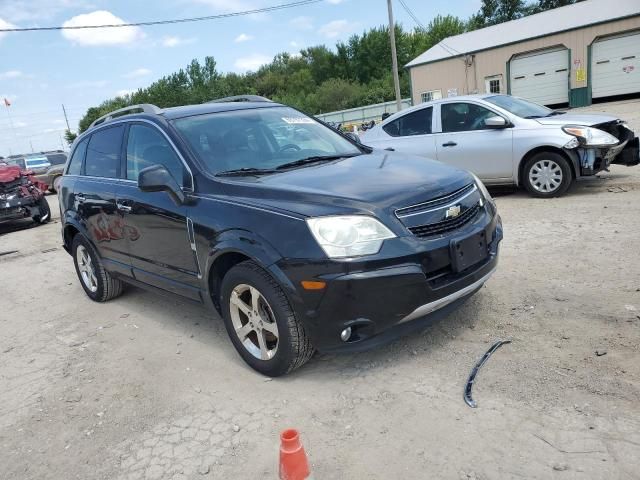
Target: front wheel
(547, 174)
(261, 323)
(43, 214)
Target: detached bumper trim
(431, 307)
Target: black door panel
(95, 201)
(158, 239)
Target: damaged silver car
(507, 140)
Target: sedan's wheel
(97, 283)
(260, 321)
(547, 174)
(56, 184)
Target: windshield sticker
(297, 120)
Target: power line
(273, 8)
(411, 14)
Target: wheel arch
(237, 248)
(571, 159)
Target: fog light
(345, 334)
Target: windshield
(260, 139)
(520, 107)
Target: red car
(21, 195)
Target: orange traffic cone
(293, 459)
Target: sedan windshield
(518, 106)
(261, 140)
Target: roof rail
(241, 98)
(143, 107)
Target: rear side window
(103, 153)
(414, 123)
(57, 158)
(146, 146)
(75, 164)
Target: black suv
(299, 236)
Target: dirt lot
(144, 387)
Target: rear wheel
(547, 174)
(260, 322)
(56, 184)
(97, 283)
(43, 214)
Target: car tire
(44, 212)
(101, 286)
(546, 175)
(264, 329)
(55, 185)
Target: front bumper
(386, 297)
(14, 207)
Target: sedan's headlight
(349, 236)
(589, 136)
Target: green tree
(442, 27)
(69, 136)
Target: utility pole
(394, 55)
(65, 117)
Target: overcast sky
(39, 71)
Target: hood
(380, 180)
(9, 173)
(587, 120)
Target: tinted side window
(103, 153)
(57, 158)
(146, 146)
(463, 117)
(414, 123)
(75, 164)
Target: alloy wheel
(86, 269)
(545, 176)
(254, 322)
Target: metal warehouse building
(569, 55)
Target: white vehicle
(506, 140)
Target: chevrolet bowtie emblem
(452, 212)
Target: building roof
(574, 16)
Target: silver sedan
(506, 140)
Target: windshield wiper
(314, 159)
(245, 171)
(555, 112)
(529, 117)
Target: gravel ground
(148, 388)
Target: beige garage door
(541, 77)
(615, 66)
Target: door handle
(390, 149)
(123, 208)
(449, 144)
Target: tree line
(319, 79)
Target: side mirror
(353, 137)
(495, 122)
(157, 178)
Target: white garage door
(615, 66)
(542, 77)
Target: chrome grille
(447, 225)
(436, 202)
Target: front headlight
(589, 136)
(483, 190)
(349, 236)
